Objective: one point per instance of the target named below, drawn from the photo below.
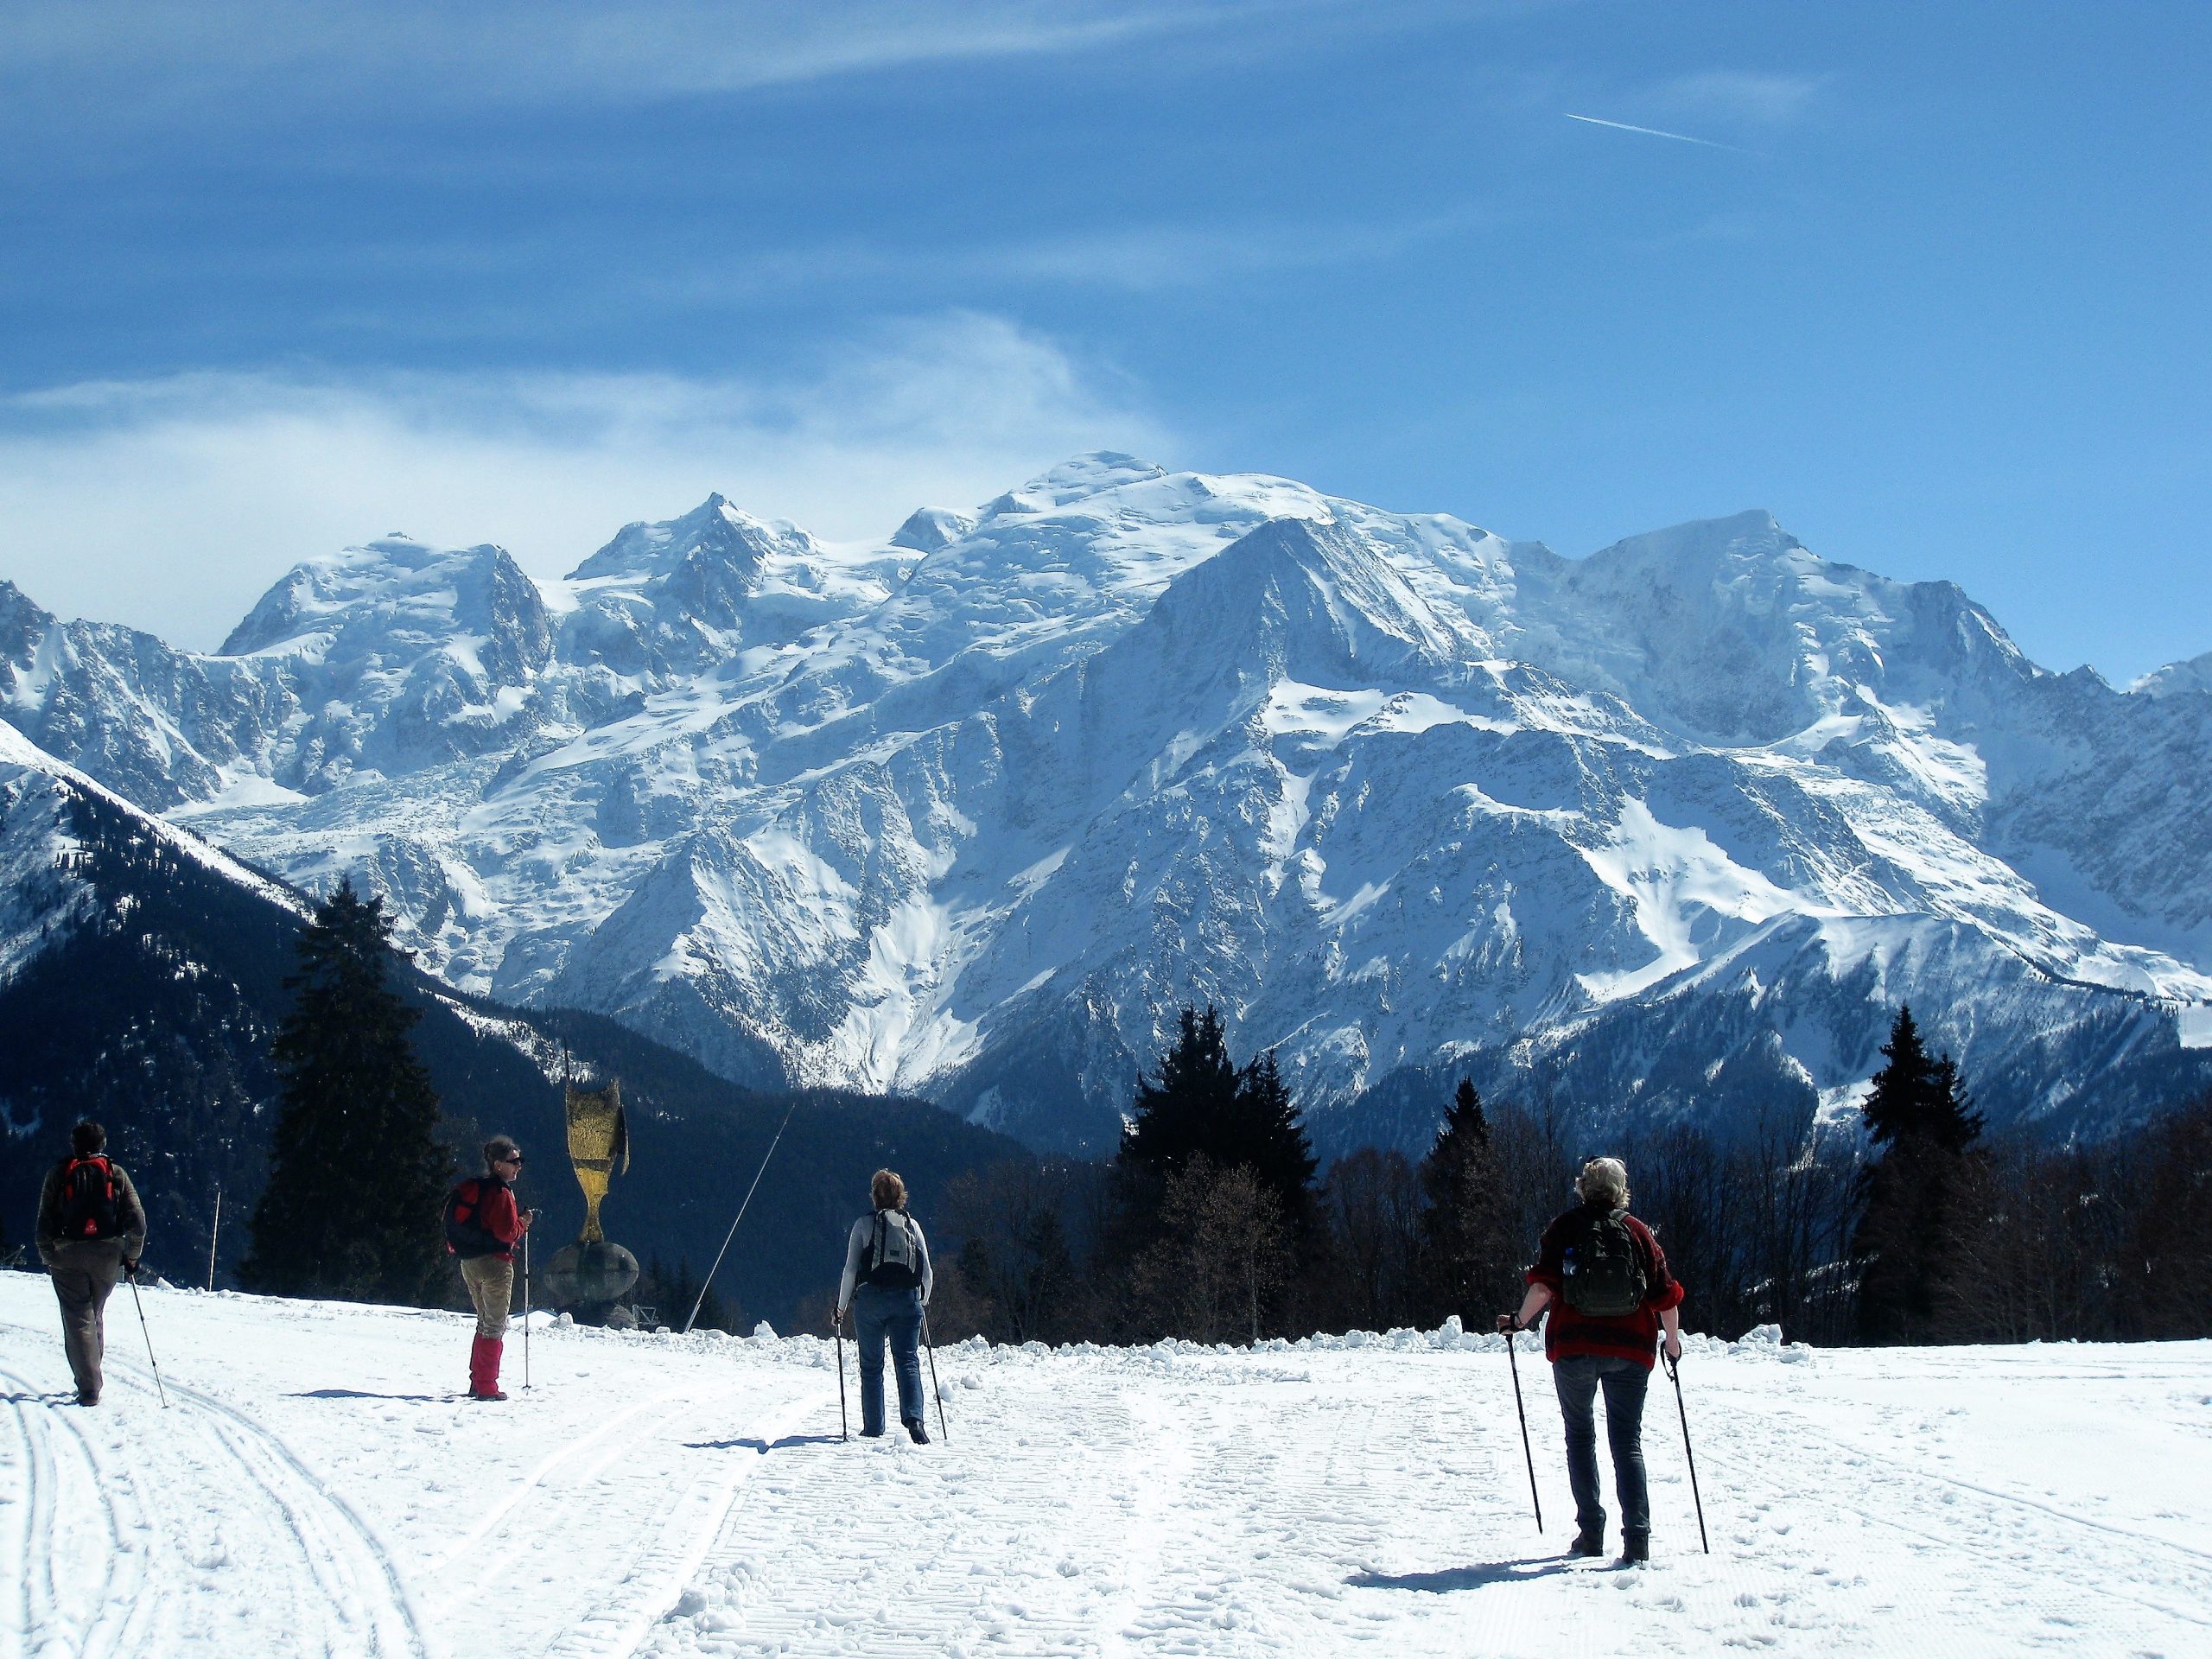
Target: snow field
(314, 1489)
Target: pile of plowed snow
(315, 1487)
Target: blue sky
(1931, 287)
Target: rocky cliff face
(1670, 829)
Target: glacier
(1667, 830)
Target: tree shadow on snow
(1470, 1577)
(359, 1394)
(760, 1445)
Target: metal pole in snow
(704, 1283)
(215, 1233)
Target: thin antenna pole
(700, 1301)
(215, 1233)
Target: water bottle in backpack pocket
(1604, 1275)
(894, 1254)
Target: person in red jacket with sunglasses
(483, 1226)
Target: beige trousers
(491, 1282)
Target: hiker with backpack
(886, 1285)
(1604, 1279)
(92, 1230)
(482, 1228)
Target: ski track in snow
(312, 1490)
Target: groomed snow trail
(315, 1489)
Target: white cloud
(171, 504)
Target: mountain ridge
(1392, 789)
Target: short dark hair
(499, 1146)
(88, 1138)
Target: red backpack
(88, 1205)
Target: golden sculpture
(599, 1140)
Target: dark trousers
(897, 1314)
(1578, 1378)
(85, 1275)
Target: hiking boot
(1636, 1548)
(915, 1433)
(871, 1433)
(491, 1393)
(1590, 1540)
(88, 1397)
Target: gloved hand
(131, 1268)
(1505, 1324)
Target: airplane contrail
(1650, 132)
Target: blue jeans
(1578, 1377)
(877, 1313)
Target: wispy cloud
(1138, 258)
(1768, 100)
(1651, 132)
(171, 503)
(172, 57)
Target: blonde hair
(888, 1190)
(1603, 1180)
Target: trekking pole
(705, 1283)
(1524, 1416)
(929, 1343)
(844, 1428)
(1674, 1371)
(526, 1308)
(149, 1335)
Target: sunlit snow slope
(1672, 828)
(314, 1487)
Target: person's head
(1603, 1181)
(503, 1157)
(86, 1139)
(888, 1190)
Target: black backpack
(466, 1236)
(1604, 1273)
(894, 1256)
(88, 1205)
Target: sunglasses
(513, 1158)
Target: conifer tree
(1188, 1106)
(1915, 1198)
(356, 1173)
(1466, 1260)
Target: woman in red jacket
(1604, 1279)
(483, 1226)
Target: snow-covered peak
(2178, 679)
(384, 590)
(712, 534)
(927, 529)
(1083, 475)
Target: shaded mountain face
(1669, 829)
(141, 980)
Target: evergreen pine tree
(1187, 1106)
(1265, 1136)
(1467, 1260)
(1914, 1198)
(356, 1176)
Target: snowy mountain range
(1670, 829)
